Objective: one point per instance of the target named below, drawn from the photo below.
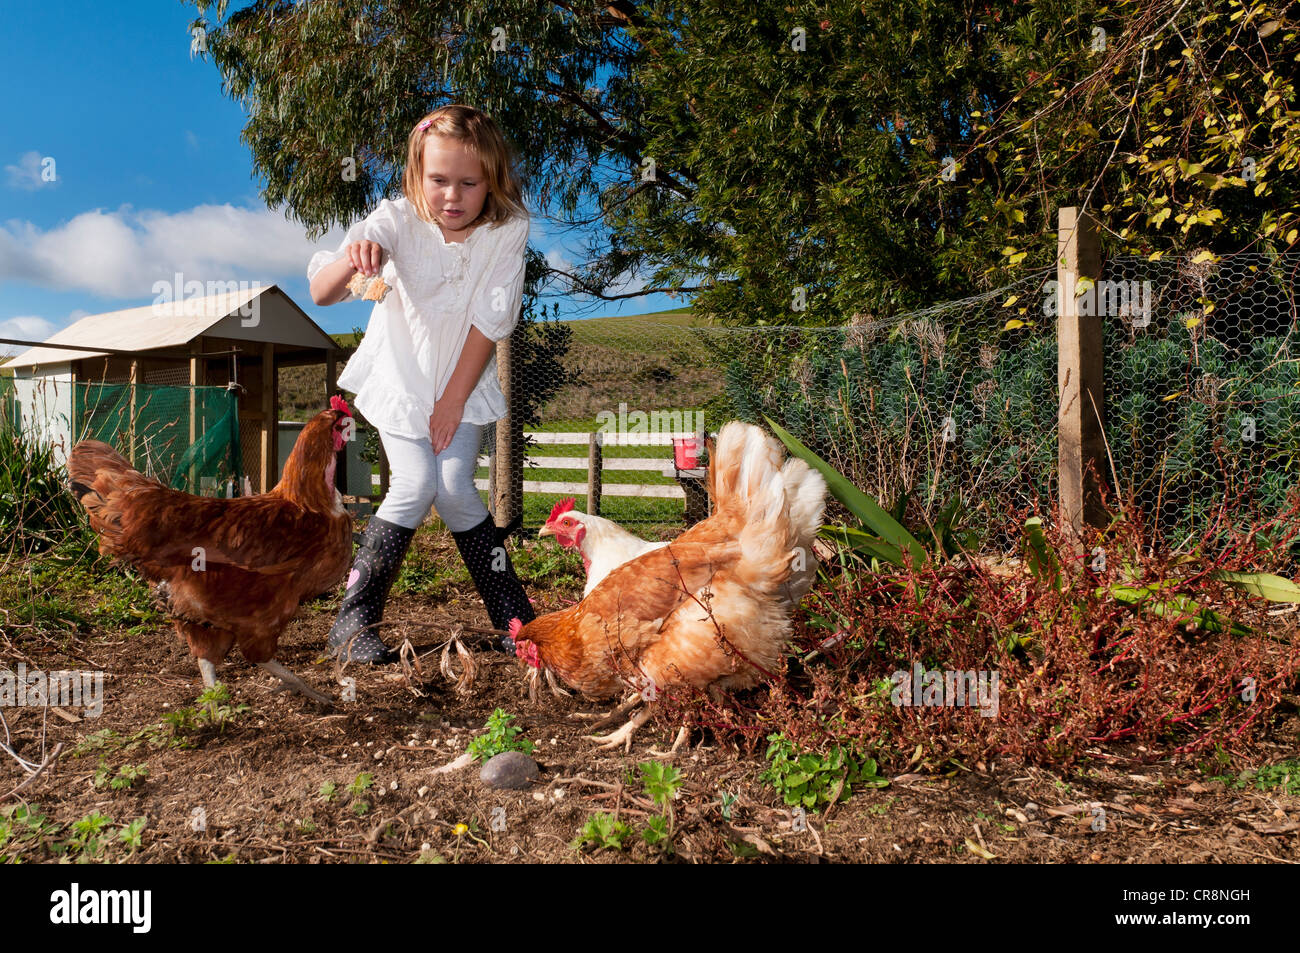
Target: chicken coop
(186, 390)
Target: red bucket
(686, 452)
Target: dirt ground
(262, 784)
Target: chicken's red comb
(338, 403)
(563, 506)
(515, 626)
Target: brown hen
(712, 609)
(228, 571)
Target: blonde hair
(477, 131)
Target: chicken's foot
(293, 683)
(608, 719)
(624, 735)
(682, 734)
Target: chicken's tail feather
(749, 487)
(745, 461)
(95, 472)
(805, 491)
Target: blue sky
(151, 177)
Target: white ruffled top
(415, 335)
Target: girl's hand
(442, 425)
(366, 257)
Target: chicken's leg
(624, 735)
(209, 673)
(294, 683)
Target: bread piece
(368, 288)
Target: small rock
(379, 756)
(559, 793)
(539, 796)
(423, 791)
(392, 786)
(510, 770)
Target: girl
(452, 251)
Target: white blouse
(416, 334)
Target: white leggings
(419, 478)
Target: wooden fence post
(593, 473)
(1079, 372)
(267, 439)
(133, 409)
(196, 369)
(508, 493)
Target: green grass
(73, 589)
(602, 329)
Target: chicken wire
(951, 407)
(1202, 392)
(148, 424)
(946, 415)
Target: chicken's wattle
(527, 652)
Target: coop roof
(176, 323)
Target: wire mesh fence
(1202, 389)
(179, 435)
(945, 415)
(951, 405)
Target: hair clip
(424, 125)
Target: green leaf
(1042, 561)
(1174, 606)
(861, 541)
(871, 513)
(1271, 587)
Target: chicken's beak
(546, 530)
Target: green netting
(148, 424)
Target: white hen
(604, 544)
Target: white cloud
(24, 327)
(121, 254)
(27, 173)
(625, 284)
(555, 258)
(29, 327)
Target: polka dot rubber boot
(484, 551)
(383, 546)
